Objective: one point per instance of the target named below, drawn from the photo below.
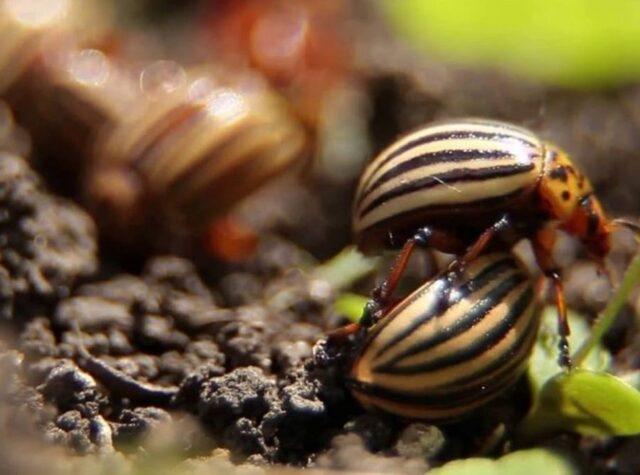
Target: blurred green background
(573, 43)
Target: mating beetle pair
(463, 187)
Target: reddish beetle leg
(543, 247)
(481, 244)
(381, 294)
(425, 236)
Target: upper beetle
(456, 185)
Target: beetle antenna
(632, 224)
(605, 269)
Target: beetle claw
(564, 358)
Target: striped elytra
(188, 155)
(449, 171)
(460, 177)
(452, 345)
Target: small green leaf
(632, 378)
(346, 268)
(585, 402)
(543, 364)
(351, 306)
(521, 462)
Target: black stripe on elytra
(454, 176)
(452, 135)
(483, 343)
(495, 202)
(435, 401)
(379, 327)
(467, 321)
(173, 121)
(508, 360)
(432, 158)
(483, 278)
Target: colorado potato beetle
(456, 185)
(197, 144)
(452, 345)
(67, 99)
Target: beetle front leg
(473, 251)
(381, 294)
(564, 359)
(344, 333)
(543, 247)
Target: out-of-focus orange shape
(300, 45)
(230, 240)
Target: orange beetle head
(592, 227)
(567, 196)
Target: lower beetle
(452, 345)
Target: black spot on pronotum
(581, 180)
(566, 195)
(559, 173)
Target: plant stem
(608, 316)
(351, 306)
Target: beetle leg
(383, 291)
(343, 333)
(540, 287)
(473, 251)
(563, 323)
(543, 247)
(339, 346)
(381, 294)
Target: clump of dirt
(46, 243)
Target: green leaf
(568, 42)
(345, 268)
(585, 402)
(521, 462)
(351, 306)
(543, 364)
(609, 314)
(632, 378)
